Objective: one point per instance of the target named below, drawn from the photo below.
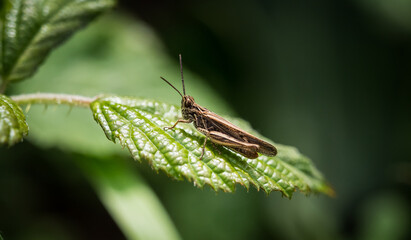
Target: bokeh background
(329, 77)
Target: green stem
(52, 98)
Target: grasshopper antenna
(181, 70)
(172, 86)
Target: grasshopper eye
(188, 101)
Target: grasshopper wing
(220, 124)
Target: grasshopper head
(187, 103)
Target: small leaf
(138, 124)
(13, 124)
(32, 28)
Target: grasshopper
(217, 129)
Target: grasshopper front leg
(178, 121)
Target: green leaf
(139, 123)
(31, 29)
(13, 124)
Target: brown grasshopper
(219, 130)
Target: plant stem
(53, 98)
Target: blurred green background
(329, 77)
